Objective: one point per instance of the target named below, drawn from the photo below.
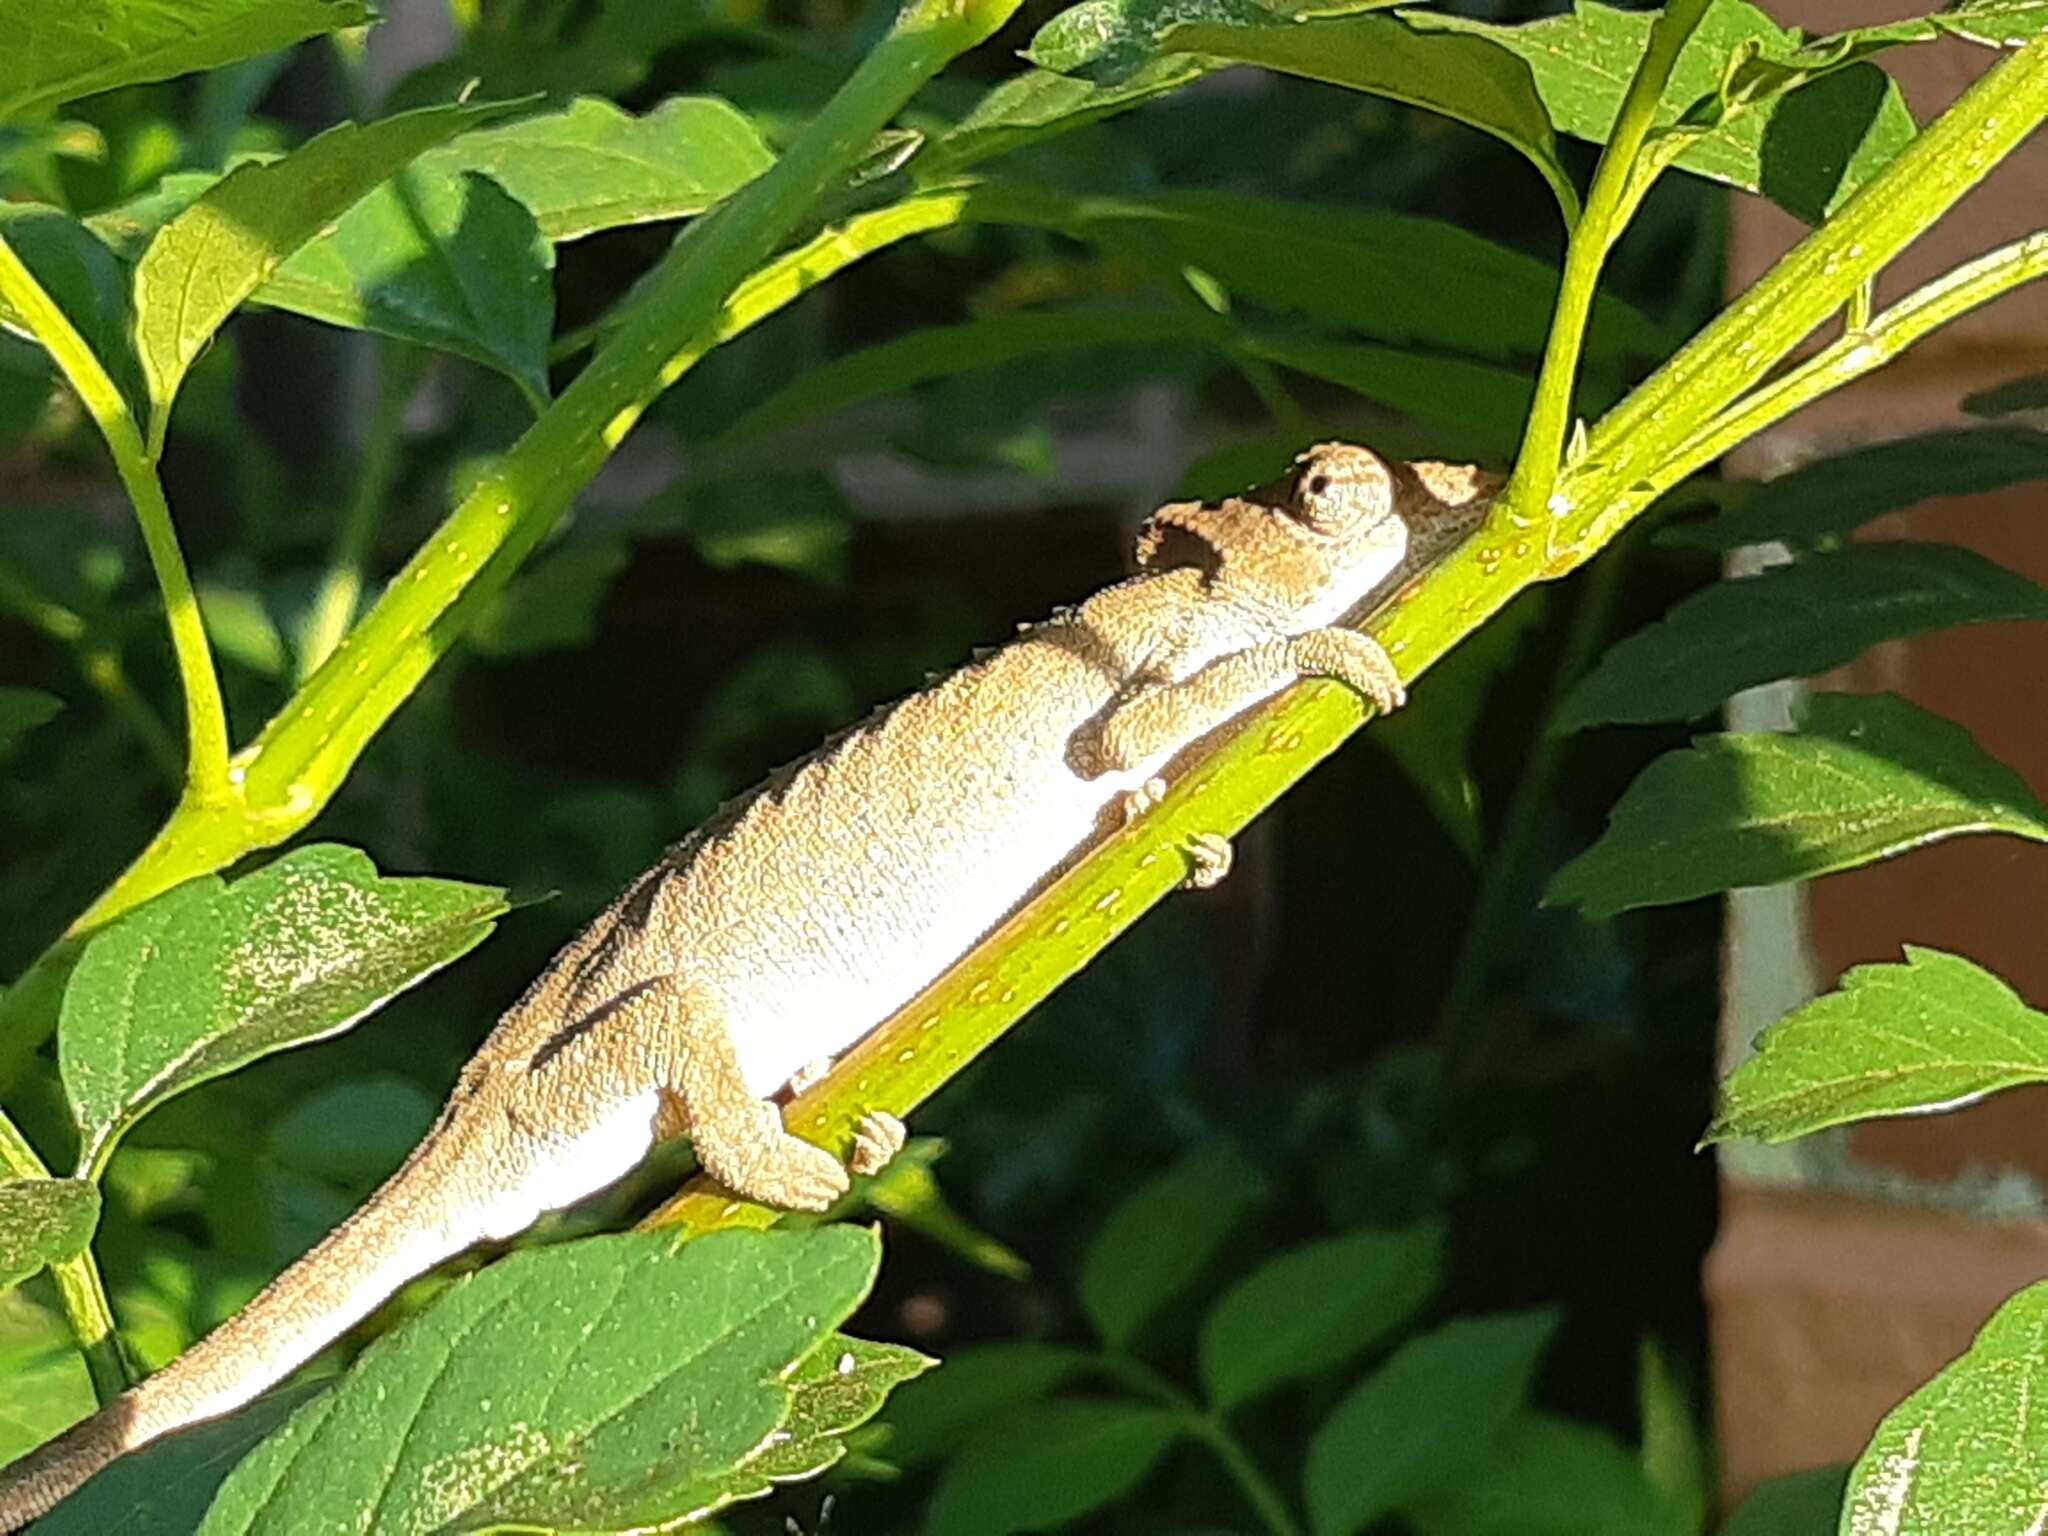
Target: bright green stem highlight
(1617, 190)
(206, 726)
(79, 1290)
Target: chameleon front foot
(754, 1157)
(1209, 855)
(1140, 800)
(876, 1141)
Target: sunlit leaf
(43, 1221)
(1931, 1033)
(83, 47)
(1968, 1451)
(222, 247)
(601, 1385)
(209, 976)
(1868, 775)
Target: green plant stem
(1863, 348)
(1243, 770)
(1508, 867)
(79, 1290)
(206, 729)
(290, 771)
(1200, 1424)
(1617, 190)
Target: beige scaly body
(806, 913)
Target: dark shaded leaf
(1830, 498)
(1548, 1476)
(164, 1488)
(1311, 1311)
(451, 262)
(1047, 1465)
(970, 1389)
(1429, 1412)
(553, 604)
(1796, 1505)
(1866, 776)
(22, 710)
(81, 277)
(1793, 621)
(1162, 1238)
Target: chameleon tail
(398, 1234)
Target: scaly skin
(806, 913)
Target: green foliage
(1285, 266)
(44, 1221)
(1866, 776)
(1422, 1420)
(1793, 621)
(1966, 1451)
(210, 977)
(1929, 1034)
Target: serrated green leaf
(1807, 151)
(82, 47)
(971, 1388)
(164, 1488)
(82, 278)
(1469, 79)
(1312, 1310)
(1548, 1476)
(451, 262)
(22, 710)
(1429, 1412)
(595, 1386)
(221, 248)
(1932, 1033)
(1830, 498)
(209, 977)
(1047, 1465)
(592, 166)
(837, 1388)
(1866, 776)
(42, 1222)
(1160, 1240)
(1793, 621)
(1799, 1504)
(1968, 1451)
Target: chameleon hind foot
(876, 1141)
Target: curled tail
(401, 1231)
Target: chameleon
(805, 913)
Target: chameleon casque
(807, 912)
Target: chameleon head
(1345, 504)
